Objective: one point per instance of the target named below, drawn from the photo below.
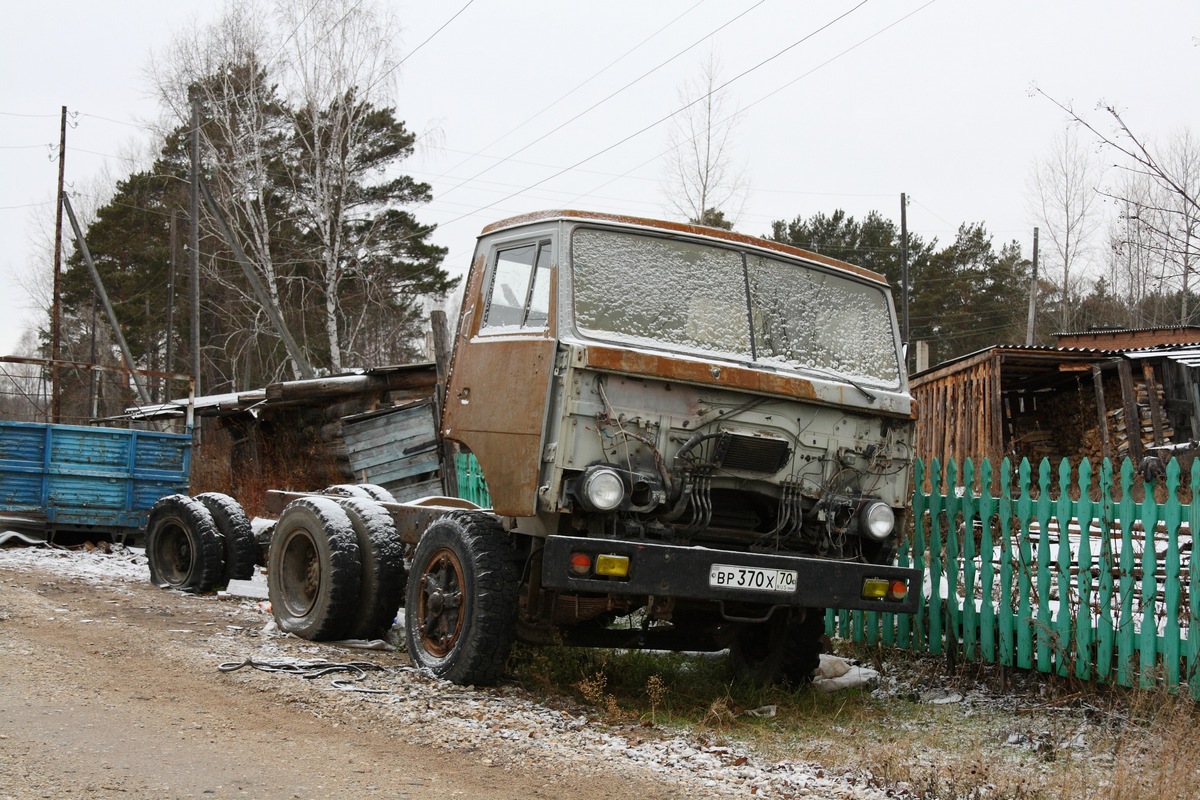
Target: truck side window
(520, 291)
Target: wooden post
(442, 353)
(995, 406)
(1152, 398)
(1133, 422)
(1101, 411)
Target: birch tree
(704, 184)
(1062, 198)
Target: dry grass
(1003, 736)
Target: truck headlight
(603, 489)
(877, 520)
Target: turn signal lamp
(581, 563)
(617, 566)
(875, 589)
(898, 590)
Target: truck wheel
(781, 650)
(233, 524)
(460, 615)
(313, 569)
(183, 546)
(377, 492)
(347, 490)
(381, 587)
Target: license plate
(765, 580)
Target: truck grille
(751, 453)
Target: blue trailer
(74, 478)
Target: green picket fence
(471, 485)
(1073, 577)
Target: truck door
(503, 360)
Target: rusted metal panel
(668, 367)
(497, 398)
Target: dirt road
(110, 688)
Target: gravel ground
(495, 742)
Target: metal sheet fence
(1066, 573)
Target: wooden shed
(373, 426)
(1044, 402)
(1002, 401)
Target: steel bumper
(678, 571)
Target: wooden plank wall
(960, 415)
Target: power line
(429, 38)
(571, 91)
(776, 91)
(27, 205)
(610, 96)
(663, 119)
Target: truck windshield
(699, 298)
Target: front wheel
(785, 649)
(460, 611)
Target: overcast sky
(927, 98)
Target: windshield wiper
(838, 376)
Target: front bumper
(665, 570)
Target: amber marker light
(898, 590)
(617, 566)
(874, 589)
(581, 563)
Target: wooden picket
(1056, 573)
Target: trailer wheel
(460, 615)
(183, 546)
(381, 588)
(234, 526)
(313, 569)
(781, 650)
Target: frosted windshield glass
(806, 319)
(656, 291)
(692, 297)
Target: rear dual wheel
(314, 569)
(183, 545)
(234, 527)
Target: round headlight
(878, 520)
(604, 489)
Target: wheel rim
(173, 554)
(440, 610)
(300, 573)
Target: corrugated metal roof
(1038, 352)
(1186, 354)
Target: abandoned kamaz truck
(692, 439)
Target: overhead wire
(666, 117)
(570, 91)
(611, 95)
(772, 93)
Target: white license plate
(765, 580)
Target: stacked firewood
(1120, 432)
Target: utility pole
(1033, 286)
(168, 360)
(194, 246)
(904, 269)
(55, 311)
